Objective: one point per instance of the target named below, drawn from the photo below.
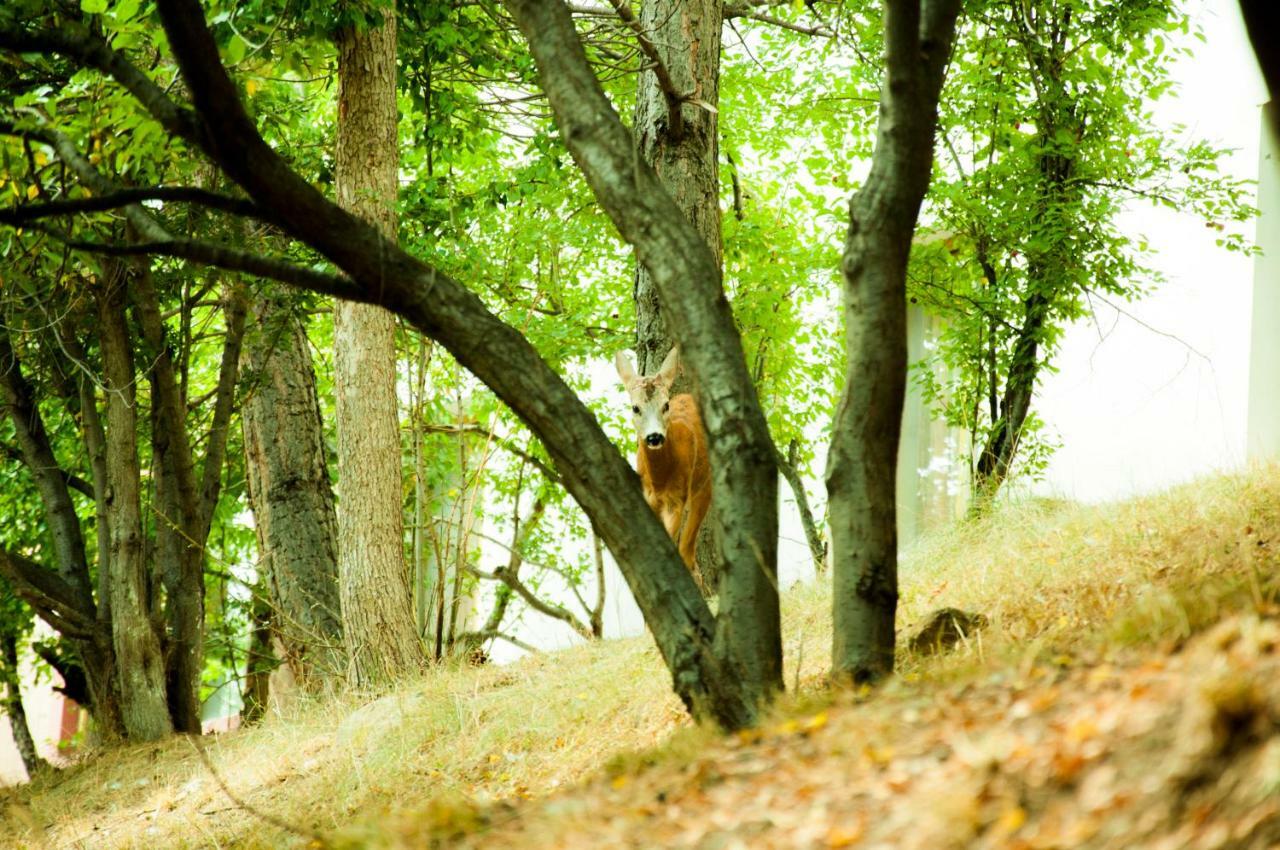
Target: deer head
(650, 397)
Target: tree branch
(19, 215)
(675, 98)
(74, 41)
(483, 635)
(556, 612)
(52, 598)
(744, 11)
(235, 309)
(75, 482)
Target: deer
(671, 455)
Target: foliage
(1048, 136)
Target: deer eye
(666, 407)
(635, 408)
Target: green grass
(1059, 582)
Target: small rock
(944, 628)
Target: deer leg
(698, 506)
(671, 522)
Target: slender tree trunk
(377, 610)
(178, 557)
(139, 663)
(31, 758)
(290, 493)
(997, 455)
(861, 465)
(98, 656)
(261, 660)
(1046, 265)
(789, 466)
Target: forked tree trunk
(377, 610)
(292, 499)
(861, 466)
(139, 663)
(747, 642)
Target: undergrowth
(1060, 584)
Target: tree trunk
(290, 494)
(789, 466)
(377, 608)
(139, 663)
(861, 465)
(682, 149)
(681, 141)
(178, 549)
(261, 660)
(31, 758)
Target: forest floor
(1126, 693)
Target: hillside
(1125, 694)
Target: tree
(378, 624)
(862, 462)
(1049, 137)
(140, 640)
(719, 677)
(289, 489)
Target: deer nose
(655, 440)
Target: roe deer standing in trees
(672, 455)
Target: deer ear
(626, 371)
(670, 366)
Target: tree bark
(861, 465)
(683, 152)
(139, 662)
(290, 493)
(377, 610)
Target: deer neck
(659, 463)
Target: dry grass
(1058, 582)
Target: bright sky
(1161, 395)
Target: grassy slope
(1090, 609)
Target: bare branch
(555, 612)
(818, 30)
